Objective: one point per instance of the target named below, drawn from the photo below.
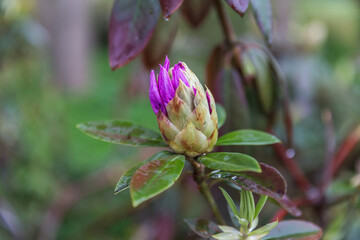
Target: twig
(199, 177)
(281, 213)
(342, 153)
(230, 38)
(293, 168)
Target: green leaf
(202, 227)
(220, 110)
(125, 179)
(122, 132)
(247, 137)
(264, 17)
(229, 233)
(243, 221)
(227, 236)
(260, 204)
(235, 162)
(228, 229)
(264, 230)
(257, 64)
(295, 230)
(231, 203)
(254, 224)
(155, 177)
(247, 205)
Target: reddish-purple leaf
(160, 43)
(132, 24)
(170, 6)
(270, 178)
(289, 206)
(240, 6)
(195, 11)
(269, 182)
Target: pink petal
(208, 100)
(178, 74)
(166, 88)
(167, 63)
(154, 95)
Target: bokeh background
(57, 183)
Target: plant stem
(204, 188)
(230, 38)
(225, 23)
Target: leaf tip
(80, 126)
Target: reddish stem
(343, 152)
(293, 168)
(281, 213)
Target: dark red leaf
(269, 182)
(195, 11)
(270, 178)
(239, 6)
(132, 24)
(160, 43)
(289, 206)
(170, 6)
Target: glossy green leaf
(247, 137)
(125, 179)
(220, 110)
(263, 13)
(247, 205)
(260, 204)
(230, 202)
(235, 162)
(227, 236)
(295, 230)
(122, 132)
(229, 233)
(202, 227)
(155, 177)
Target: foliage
(284, 68)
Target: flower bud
(185, 111)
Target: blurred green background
(57, 183)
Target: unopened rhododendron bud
(185, 112)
